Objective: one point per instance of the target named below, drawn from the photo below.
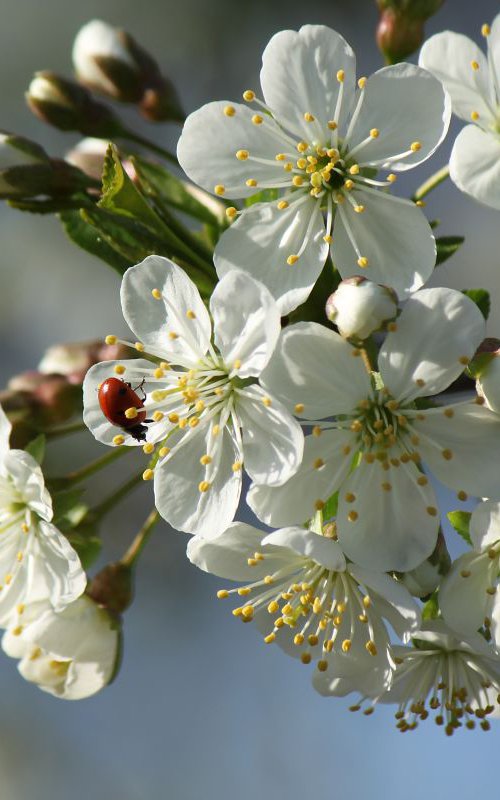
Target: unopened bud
(485, 367)
(360, 307)
(424, 579)
(74, 359)
(89, 154)
(25, 168)
(113, 588)
(52, 398)
(400, 30)
(109, 61)
(68, 106)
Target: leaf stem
(63, 430)
(106, 505)
(89, 469)
(135, 549)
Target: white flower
(304, 595)
(71, 654)
(468, 596)
(203, 395)
(359, 307)
(319, 140)
(97, 48)
(488, 380)
(371, 452)
(473, 81)
(457, 678)
(35, 558)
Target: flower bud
(89, 154)
(74, 359)
(25, 168)
(110, 61)
(360, 307)
(400, 30)
(68, 106)
(52, 398)
(485, 367)
(113, 588)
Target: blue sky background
(201, 708)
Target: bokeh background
(200, 709)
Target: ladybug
(115, 397)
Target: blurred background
(200, 709)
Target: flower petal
(449, 56)
(298, 76)
(177, 479)
(392, 523)
(438, 331)
(463, 601)
(136, 370)
(273, 442)
(27, 477)
(210, 140)
(392, 234)
(325, 465)
(406, 104)
(320, 549)
(391, 599)
(262, 239)
(246, 322)
(315, 368)
(61, 564)
(462, 450)
(475, 165)
(5, 429)
(485, 524)
(177, 324)
(226, 555)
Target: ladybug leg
(139, 388)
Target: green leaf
(446, 246)
(36, 448)
(330, 507)
(265, 196)
(87, 545)
(69, 511)
(431, 608)
(460, 521)
(128, 237)
(121, 196)
(481, 298)
(159, 184)
(86, 236)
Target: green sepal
(36, 448)
(431, 607)
(87, 545)
(88, 237)
(120, 196)
(330, 508)
(481, 298)
(264, 196)
(128, 237)
(446, 246)
(159, 184)
(460, 521)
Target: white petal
(246, 322)
(273, 442)
(176, 482)
(392, 233)
(464, 602)
(320, 549)
(262, 239)
(436, 329)
(61, 565)
(326, 463)
(27, 477)
(5, 429)
(393, 529)
(153, 321)
(391, 599)
(406, 104)
(227, 554)
(449, 57)
(210, 140)
(314, 367)
(463, 450)
(485, 524)
(299, 75)
(136, 370)
(475, 165)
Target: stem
(135, 549)
(130, 136)
(106, 505)
(64, 430)
(431, 183)
(89, 469)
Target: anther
(340, 76)
(203, 486)
(206, 459)
(362, 82)
(282, 205)
(305, 658)
(463, 496)
(229, 111)
(156, 294)
(222, 594)
(251, 182)
(371, 648)
(270, 638)
(319, 505)
(248, 95)
(432, 511)
(346, 645)
(236, 466)
(392, 177)
(148, 448)
(118, 440)
(257, 119)
(309, 117)
(474, 65)
(352, 516)
(297, 180)
(147, 475)
(348, 184)
(359, 209)
(242, 155)
(219, 189)
(474, 116)
(318, 463)
(322, 665)
(291, 260)
(362, 262)
(111, 339)
(119, 369)
(299, 408)
(415, 147)
(332, 125)
(447, 454)
(374, 133)
(131, 413)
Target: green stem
(431, 183)
(106, 505)
(63, 430)
(89, 469)
(183, 233)
(135, 549)
(130, 136)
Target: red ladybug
(115, 397)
